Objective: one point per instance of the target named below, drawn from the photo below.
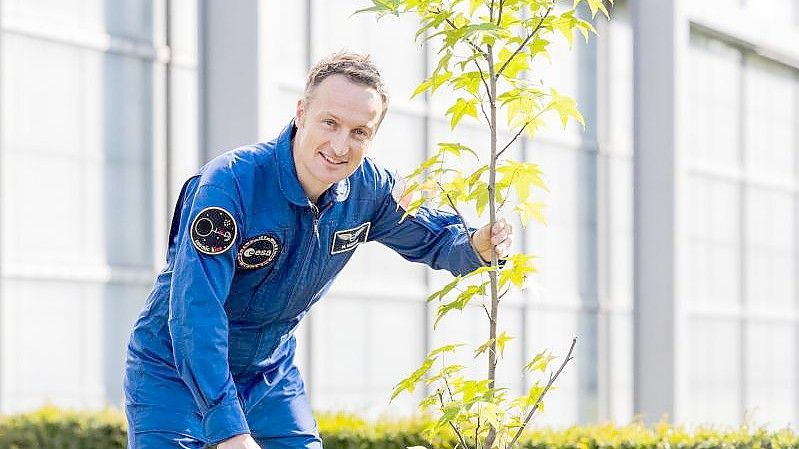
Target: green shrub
(52, 428)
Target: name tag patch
(213, 231)
(347, 239)
(258, 252)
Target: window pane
(711, 265)
(771, 373)
(770, 119)
(770, 248)
(713, 102)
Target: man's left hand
(498, 239)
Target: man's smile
(332, 160)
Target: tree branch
(519, 133)
(499, 16)
(474, 46)
(488, 314)
(526, 40)
(455, 208)
(510, 184)
(452, 424)
(488, 91)
(552, 378)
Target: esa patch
(258, 252)
(348, 239)
(213, 231)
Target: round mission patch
(213, 231)
(258, 252)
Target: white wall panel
(41, 106)
(620, 214)
(714, 372)
(51, 207)
(771, 373)
(184, 144)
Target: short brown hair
(358, 68)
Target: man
(257, 237)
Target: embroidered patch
(213, 231)
(348, 239)
(258, 252)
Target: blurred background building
(671, 249)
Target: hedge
(52, 428)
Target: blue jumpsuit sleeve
(433, 237)
(198, 324)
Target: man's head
(344, 102)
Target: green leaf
(460, 108)
(455, 149)
(565, 106)
(382, 7)
(531, 209)
(472, 389)
(516, 65)
(540, 362)
(523, 176)
(539, 47)
(517, 268)
(461, 301)
(502, 340)
(473, 5)
(429, 401)
(443, 349)
(432, 83)
(409, 383)
(483, 347)
(597, 5)
(445, 372)
(565, 24)
(479, 195)
(468, 81)
(446, 289)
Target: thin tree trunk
(492, 207)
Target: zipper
(317, 216)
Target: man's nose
(339, 144)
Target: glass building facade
(108, 105)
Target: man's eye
(329, 122)
(360, 132)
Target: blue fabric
(212, 353)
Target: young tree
(486, 51)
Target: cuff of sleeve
(224, 421)
(475, 256)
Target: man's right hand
(243, 441)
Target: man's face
(334, 130)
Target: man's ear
(299, 114)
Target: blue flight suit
(211, 355)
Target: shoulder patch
(213, 231)
(347, 239)
(258, 252)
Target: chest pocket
(259, 261)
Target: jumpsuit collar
(287, 173)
